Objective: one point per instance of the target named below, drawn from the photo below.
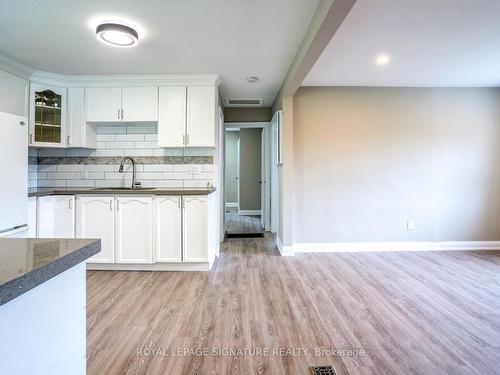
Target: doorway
(246, 176)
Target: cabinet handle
(111, 204)
(68, 140)
(122, 114)
(31, 138)
(118, 204)
(118, 114)
(187, 139)
(184, 139)
(70, 204)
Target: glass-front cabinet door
(47, 116)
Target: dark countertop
(40, 192)
(26, 263)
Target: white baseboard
(348, 247)
(285, 251)
(249, 212)
(150, 267)
(231, 204)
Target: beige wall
(257, 114)
(231, 184)
(250, 169)
(367, 160)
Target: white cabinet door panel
(200, 116)
(172, 116)
(64, 218)
(195, 229)
(103, 104)
(46, 217)
(134, 230)
(140, 104)
(168, 229)
(96, 219)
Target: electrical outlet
(409, 226)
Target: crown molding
(15, 67)
(124, 80)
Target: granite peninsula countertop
(26, 263)
(40, 192)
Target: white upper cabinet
(172, 116)
(139, 104)
(47, 116)
(128, 104)
(96, 219)
(104, 104)
(168, 229)
(200, 129)
(186, 116)
(134, 230)
(79, 134)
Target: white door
(134, 230)
(31, 217)
(96, 219)
(64, 216)
(46, 217)
(168, 229)
(200, 129)
(103, 104)
(140, 104)
(195, 228)
(274, 174)
(172, 116)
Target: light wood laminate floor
(243, 223)
(413, 313)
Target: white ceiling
(233, 38)
(431, 43)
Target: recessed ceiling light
(252, 79)
(117, 35)
(383, 59)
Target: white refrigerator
(13, 175)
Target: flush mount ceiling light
(383, 59)
(117, 35)
(252, 79)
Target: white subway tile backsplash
(169, 183)
(129, 137)
(70, 167)
(139, 140)
(111, 129)
(119, 145)
(158, 168)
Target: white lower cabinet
(32, 217)
(168, 229)
(134, 230)
(96, 219)
(195, 237)
(56, 216)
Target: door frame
(254, 125)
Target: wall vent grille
(244, 102)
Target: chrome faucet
(122, 162)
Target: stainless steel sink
(122, 188)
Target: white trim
(231, 204)
(249, 212)
(124, 80)
(285, 251)
(13, 66)
(199, 266)
(247, 125)
(341, 247)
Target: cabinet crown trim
(137, 80)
